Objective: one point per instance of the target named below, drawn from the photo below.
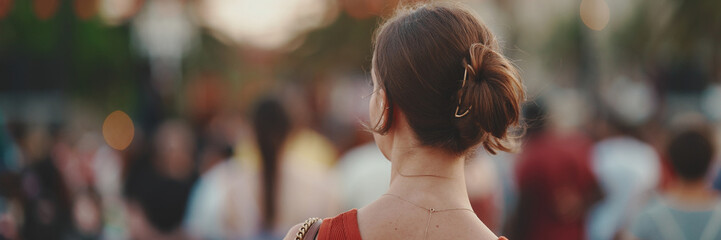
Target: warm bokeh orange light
(118, 130)
(85, 9)
(45, 9)
(595, 14)
(5, 6)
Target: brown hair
(420, 57)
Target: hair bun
(483, 58)
(493, 95)
(423, 79)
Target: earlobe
(382, 97)
(384, 106)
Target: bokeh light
(115, 12)
(85, 9)
(5, 6)
(118, 130)
(267, 24)
(45, 9)
(368, 8)
(595, 14)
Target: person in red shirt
(556, 187)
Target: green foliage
(345, 44)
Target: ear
(382, 98)
(384, 106)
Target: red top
(344, 226)
(556, 187)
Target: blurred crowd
(225, 175)
(237, 119)
(253, 175)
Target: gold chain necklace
(431, 211)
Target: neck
(428, 177)
(691, 191)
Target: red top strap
(344, 227)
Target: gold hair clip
(460, 96)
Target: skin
(692, 192)
(426, 176)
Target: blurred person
(174, 151)
(272, 127)
(108, 166)
(205, 94)
(224, 201)
(689, 209)
(441, 89)
(87, 216)
(10, 205)
(155, 204)
(8, 152)
(213, 152)
(44, 194)
(75, 158)
(627, 169)
(92, 172)
(556, 187)
(217, 138)
(293, 185)
(157, 183)
(254, 193)
(305, 107)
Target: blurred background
(237, 119)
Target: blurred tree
(678, 42)
(82, 58)
(343, 45)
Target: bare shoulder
(459, 225)
(485, 232)
(379, 221)
(292, 232)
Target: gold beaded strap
(305, 227)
